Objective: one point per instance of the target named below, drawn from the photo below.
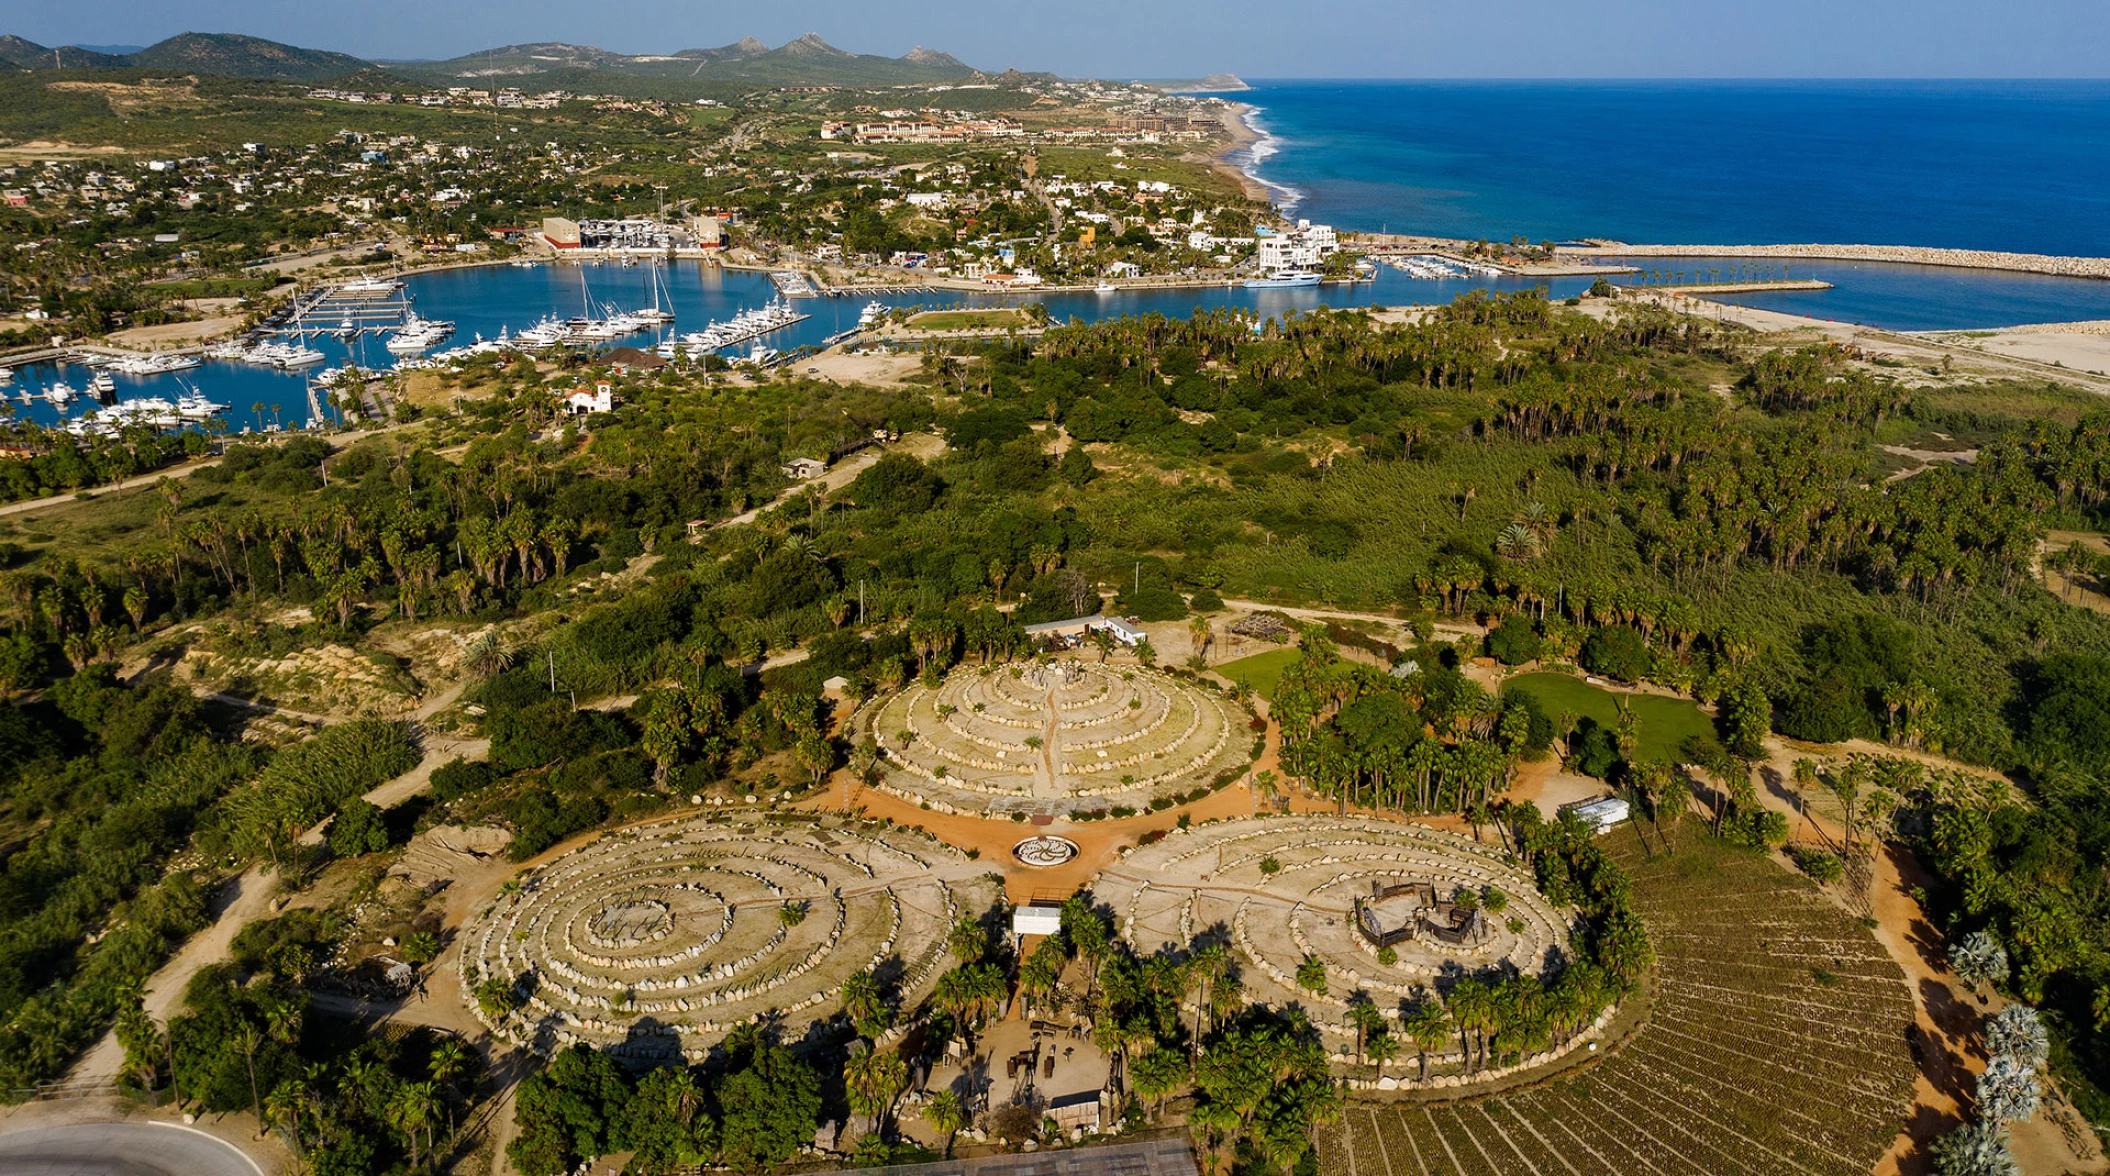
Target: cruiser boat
(1285, 280)
(417, 334)
(285, 355)
(872, 313)
(7, 376)
(152, 365)
(59, 394)
(196, 407)
(102, 385)
(371, 286)
(1105, 287)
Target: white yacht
(370, 287)
(1284, 280)
(193, 406)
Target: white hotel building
(1305, 247)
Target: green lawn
(1665, 722)
(1260, 671)
(969, 320)
(213, 287)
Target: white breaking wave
(1264, 146)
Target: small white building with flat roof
(1036, 919)
(1127, 632)
(1600, 814)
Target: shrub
(1514, 641)
(1616, 652)
(1820, 865)
(460, 777)
(358, 829)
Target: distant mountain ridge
(809, 60)
(224, 54)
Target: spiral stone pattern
(655, 941)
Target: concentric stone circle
(1278, 889)
(1048, 737)
(657, 940)
(1044, 851)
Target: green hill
(236, 56)
(806, 61)
(24, 54)
(221, 54)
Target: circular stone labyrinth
(656, 941)
(1280, 888)
(1051, 738)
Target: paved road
(121, 1149)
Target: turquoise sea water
(2011, 166)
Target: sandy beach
(1242, 138)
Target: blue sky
(1166, 38)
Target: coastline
(1240, 159)
(1982, 259)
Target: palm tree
(1428, 1026)
(872, 1081)
(251, 1038)
(1381, 1048)
(411, 1112)
(486, 654)
(1469, 1007)
(967, 941)
(946, 1115)
(290, 1103)
(447, 1064)
(864, 1004)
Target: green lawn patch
(1259, 672)
(968, 320)
(1665, 722)
(213, 287)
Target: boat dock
(793, 284)
(356, 308)
(869, 291)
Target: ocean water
(2015, 166)
(2010, 166)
